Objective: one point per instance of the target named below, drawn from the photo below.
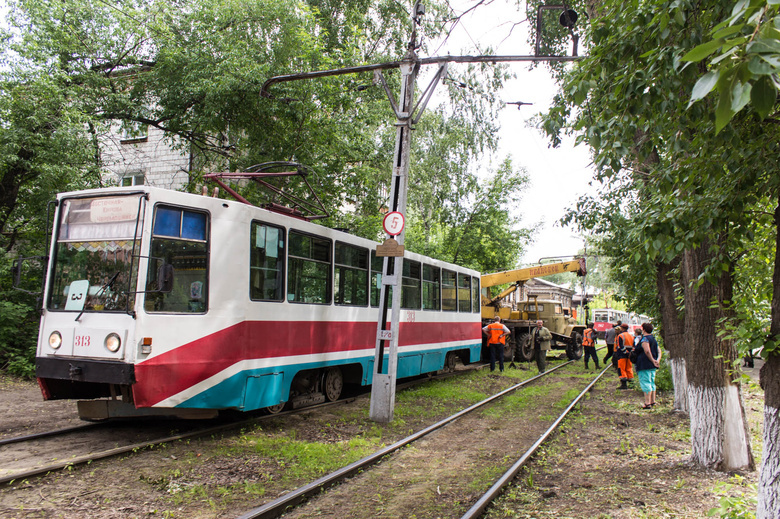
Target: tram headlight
(55, 340)
(112, 342)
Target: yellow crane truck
(567, 334)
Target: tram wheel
(525, 349)
(332, 383)
(274, 409)
(449, 362)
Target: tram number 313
(81, 340)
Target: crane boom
(522, 275)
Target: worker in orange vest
(623, 346)
(496, 334)
(589, 345)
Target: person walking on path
(623, 347)
(647, 363)
(609, 338)
(589, 345)
(496, 334)
(541, 338)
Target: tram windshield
(94, 253)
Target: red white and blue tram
(607, 318)
(161, 302)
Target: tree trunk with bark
(769, 475)
(673, 330)
(719, 429)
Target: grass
(517, 401)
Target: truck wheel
(524, 352)
(508, 350)
(574, 347)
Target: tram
(158, 302)
(607, 318)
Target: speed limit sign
(393, 223)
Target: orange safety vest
(628, 340)
(494, 333)
(587, 337)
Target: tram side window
(376, 278)
(266, 263)
(410, 287)
(475, 300)
(178, 258)
(464, 293)
(351, 275)
(449, 298)
(308, 269)
(431, 288)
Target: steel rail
(280, 505)
(55, 432)
(480, 506)
(129, 448)
(79, 460)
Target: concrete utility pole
(384, 377)
(383, 386)
(384, 381)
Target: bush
(19, 321)
(663, 377)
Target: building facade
(140, 155)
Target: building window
(134, 179)
(133, 131)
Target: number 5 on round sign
(393, 223)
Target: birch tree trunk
(719, 429)
(769, 475)
(673, 330)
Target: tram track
(197, 431)
(14, 466)
(287, 502)
(488, 497)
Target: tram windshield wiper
(108, 284)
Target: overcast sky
(558, 176)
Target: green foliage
(74, 70)
(663, 376)
(743, 57)
(676, 178)
(458, 214)
(736, 500)
(18, 325)
(308, 460)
